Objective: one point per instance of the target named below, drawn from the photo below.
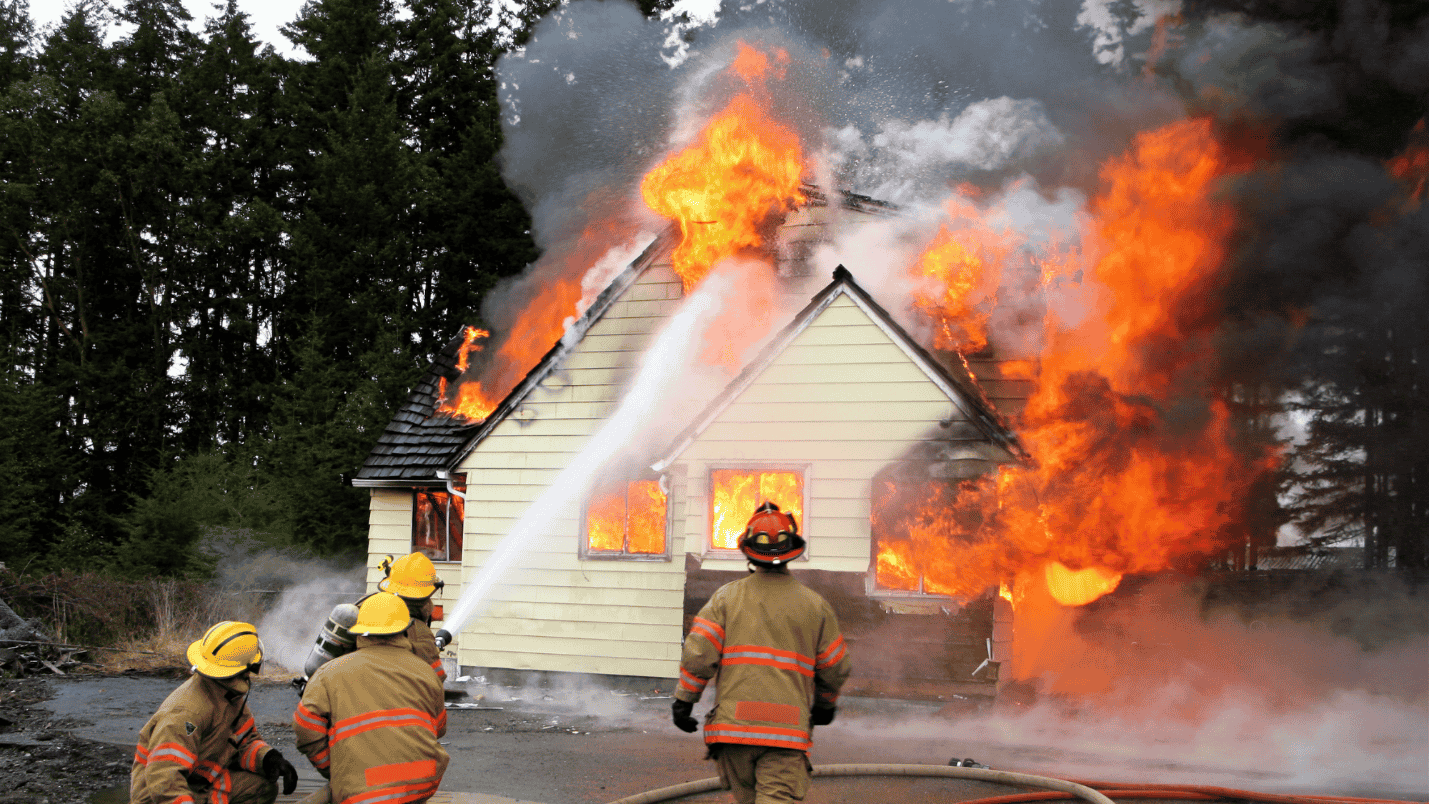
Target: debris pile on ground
(26, 649)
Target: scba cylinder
(335, 639)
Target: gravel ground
(40, 761)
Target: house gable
(840, 395)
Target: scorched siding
(842, 399)
(553, 611)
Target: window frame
(805, 472)
(458, 483)
(584, 553)
(871, 586)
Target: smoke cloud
(1019, 104)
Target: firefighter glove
(274, 766)
(822, 715)
(682, 712)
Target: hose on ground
(679, 791)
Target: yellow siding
(554, 611)
(842, 401)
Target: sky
(267, 16)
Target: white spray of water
(661, 368)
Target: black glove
(822, 715)
(274, 766)
(682, 712)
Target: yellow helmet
(411, 576)
(226, 650)
(382, 614)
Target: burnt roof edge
(973, 404)
(552, 358)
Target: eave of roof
(417, 442)
(962, 391)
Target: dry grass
(144, 625)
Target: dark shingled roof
(416, 443)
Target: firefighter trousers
(237, 787)
(759, 774)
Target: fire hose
(1054, 789)
(975, 774)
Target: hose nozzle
(443, 637)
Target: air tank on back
(334, 640)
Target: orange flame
(469, 402)
(1112, 488)
(1411, 166)
(629, 517)
(960, 268)
(735, 493)
(741, 174)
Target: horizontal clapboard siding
(845, 401)
(552, 611)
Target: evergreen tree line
(222, 268)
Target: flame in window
(736, 493)
(629, 518)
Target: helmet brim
(413, 591)
(387, 630)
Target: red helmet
(772, 537)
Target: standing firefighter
(202, 746)
(774, 645)
(370, 720)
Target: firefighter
(774, 647)
(202, 746)
(370, 720)
(413, 578)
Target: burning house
(832, 417)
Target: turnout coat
(369, 721)
(775, 649)
(200, 735)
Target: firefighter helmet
(382, 614)
(772, 537)
(226, 650)
(411, 576)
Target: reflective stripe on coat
(370, 720)
(200, 733)
(774, 650)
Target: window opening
(627, 519)
(438, 517)
(735, 493)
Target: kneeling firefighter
(202, 744)
(412, 578)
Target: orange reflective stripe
(690, 682)
(832, 654)
(321, 758)
(141, 755)
(758, 735)
(305, 719)
(442, 721)
(420, 770)
(769, 657)
(173, 752)
(382, 719)
(249, 762)
(394, 795)
(709, 630)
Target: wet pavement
(583, 745)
